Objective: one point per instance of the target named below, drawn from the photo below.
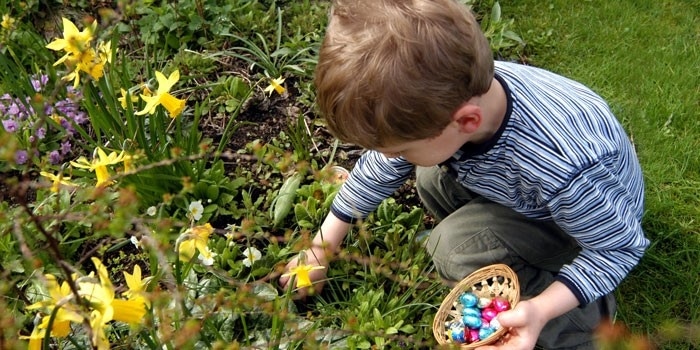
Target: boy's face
(430, 151)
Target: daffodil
(59, 300)
(137, 286)
(123, 100)
(57, 180)
(276, 85)
(128, 161)
(74, 42)
(105, 307)
(7, 21)
(163, 97)
(193, 240)
(301, 272)
(252, 255)
(99, 164)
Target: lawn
(158, 170)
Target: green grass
(642, 56)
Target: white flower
(207, 261)
(252, 255)
(135, 241)
(196, 210)
(151, 211)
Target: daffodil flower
(193, 240)
(57, 180)
(252, 255)
(163, 97)
(105, 307)
(123, 100)
(59, 297)
(137, 286)
(275, 85)
(301, 272)
(99, 165)
(74, 42)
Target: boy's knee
(457, 255)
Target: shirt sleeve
(373, 179)
(603, 213)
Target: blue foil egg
(457, 334)
(471, 321)
(471, 311)
(485, 332)
(468, 299)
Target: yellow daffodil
(137, 286)
(276, 85)
(193, 240)
(163, 97)
(80, 55)
(7, 21)
(123, 100)
(35, 339)
(74, 42)
(59, 297)
(99, 165)
(57, 180)
(128, 161)
(301, 272)
(105, 307)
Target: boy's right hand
(315, 256)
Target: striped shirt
(559, 155)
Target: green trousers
(473, 232)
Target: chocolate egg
(500, 304)
(472, 336)
(468, 299)
(457, 334)
(485, 332)
(471, 311)
(488, 313)
(471, 321)
(484, 302)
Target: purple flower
(41, 133)
(10, 125)
(65, 147)
(21, 157)
(37, 84)
(14, 109)
(55, 157)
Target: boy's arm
(528, 318)
(323, 246)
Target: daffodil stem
(46, 342)
(277, 322)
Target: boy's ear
(467, 117)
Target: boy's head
(392, 71)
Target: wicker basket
(487, 282)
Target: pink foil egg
(488, 313)
(472, 336)
(500, 304)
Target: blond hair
(391, 71)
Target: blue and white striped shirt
(560, 155)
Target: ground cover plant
(160, 162)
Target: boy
(518, 165)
